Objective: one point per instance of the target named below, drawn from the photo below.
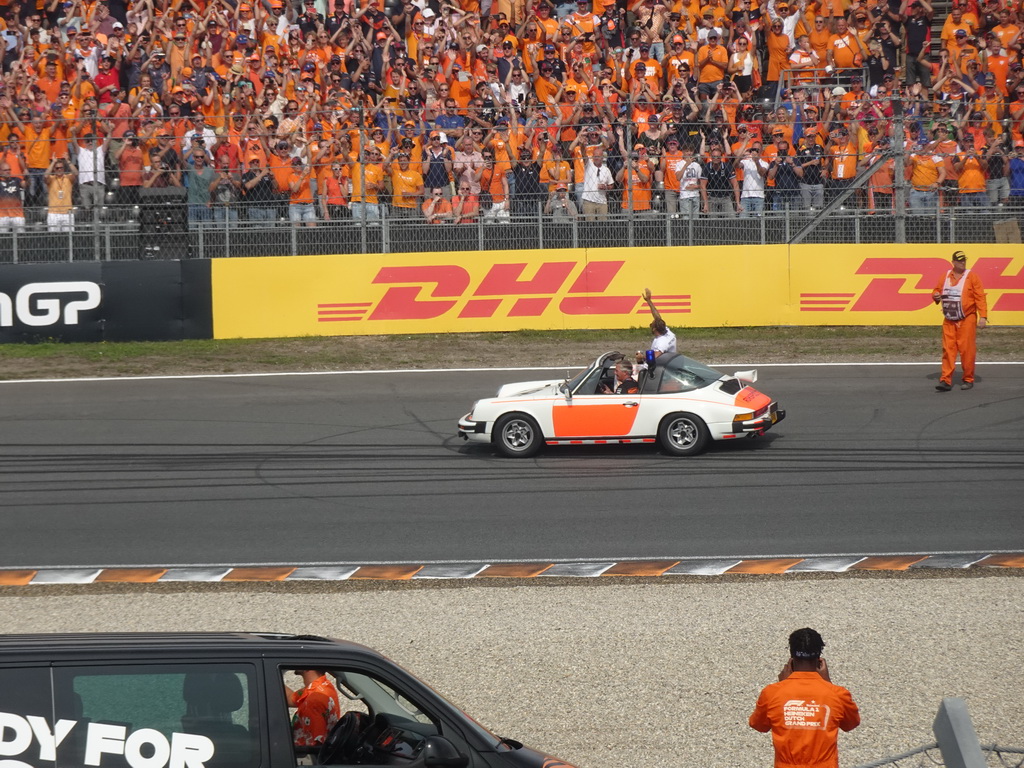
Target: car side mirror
(566, 391)
(438, 752)
(747, 377)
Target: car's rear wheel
(517, 436)
(683, 434)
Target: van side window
(159, 716)
(25, 709)
(349, 717)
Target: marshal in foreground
(678, 402)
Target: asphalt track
(366, 468)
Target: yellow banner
(496, 291)
(892, 284)
(354, 295)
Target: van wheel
(683, 434)
(517, 436)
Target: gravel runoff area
(631, 673)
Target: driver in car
(316, 707)
(625, 384)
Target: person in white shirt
(92, 175)
(597, 180)
(754, 172)
(693, 186)
(664, 340)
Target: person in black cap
(964, 310)
(805, 710)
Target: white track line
(493, 560)
(443, 370)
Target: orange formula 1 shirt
(804, 712)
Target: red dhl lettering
(423, 293)
(893, 294)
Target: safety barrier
(494, 290)
(598, 288)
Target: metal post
(955, 735)
(786, 210)
(856, 228)
(689, 229)
(385, 233)
(938, 217)
(899, 183)
(668, 230)
(71, 243)
(576, 231)
(952, 225)
(630, 234)
(764, 227)
(294, 237)
(227, 232)
(540, 226)
(480, 232)
(106, 241)
(14, 246)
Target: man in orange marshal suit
(964, 311)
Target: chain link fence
(930, 756)
(172, 238)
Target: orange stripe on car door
(579, 418)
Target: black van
(196, 700)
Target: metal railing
(116, 240)
(929, 756)
(956, 745)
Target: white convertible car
(680, 403)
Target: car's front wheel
(517, 436)
(683, 434)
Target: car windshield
(577, 380)
(683, 374)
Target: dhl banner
(349, 295)
(892, 284)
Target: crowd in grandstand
(459, 110)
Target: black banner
(105, 301)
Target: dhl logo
(887, 294)
(427, 292)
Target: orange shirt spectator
(130, 162)
(844, 159)
(300, 187)
(844, 51)
(465, 206)
(778, 51)
(712, 59)
(493, 181)
(635, 179)
(373, 174)
(437, 210)
(555, 170)
(406, 185)
(37, 144)
(972, 174)
(924, 171)
(819, 36)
